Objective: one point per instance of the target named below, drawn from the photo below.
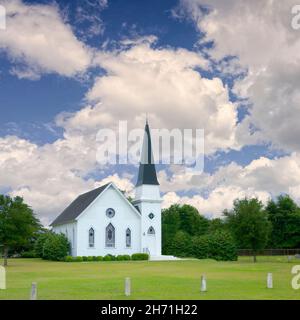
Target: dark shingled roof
(147, 172)
(78, 205)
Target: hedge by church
(140, 256)
(108, 257)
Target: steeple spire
(147, 172)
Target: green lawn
(151, 280)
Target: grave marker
(127, 287)
(270, 281)
(2, 278)
(203, 284)
(33, 292)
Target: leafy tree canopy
(249, 224)
(183, 218)
(18, 224)
(284, 215)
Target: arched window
(91, 238)
(128, 238)
(110, 236)
(151, 230)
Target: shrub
(181, 244)
(39, 244)
(89, 258)
(69, 259)
(123, 257)
(140, 256)
(28, 254)
(219, 246)
(99, 258)
(200, 247)
(223, 247)
(78, 259)
(84, 258)
(95, 258)
(56, 247)
(109, 257)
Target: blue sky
(41, 100)
(29, 107)
(69, 68)
(35, 103)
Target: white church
(103, 221)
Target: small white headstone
(203, 284)
(270, 281)
(289, 258)
(127, 287)
(2, 278)
(33, 293)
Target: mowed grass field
(150, 279)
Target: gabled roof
(147, 172)
(78, 206)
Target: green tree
(17, 224)
(181, 244)
(222, 246)
(183, 218)
(56, 247)
(219, 246)
(191, 221)
(170, 225)
(200, 247)
(217, 224)
(284, 215)
(40, 241)
(249, 224)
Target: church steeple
(148, 200)
(147, 172)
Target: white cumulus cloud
(39, 40)
(260, 35)
(163, 83)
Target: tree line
(185, 232)
(248, 225)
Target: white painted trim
(148, 200)
(119, 192)
(129, 203)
